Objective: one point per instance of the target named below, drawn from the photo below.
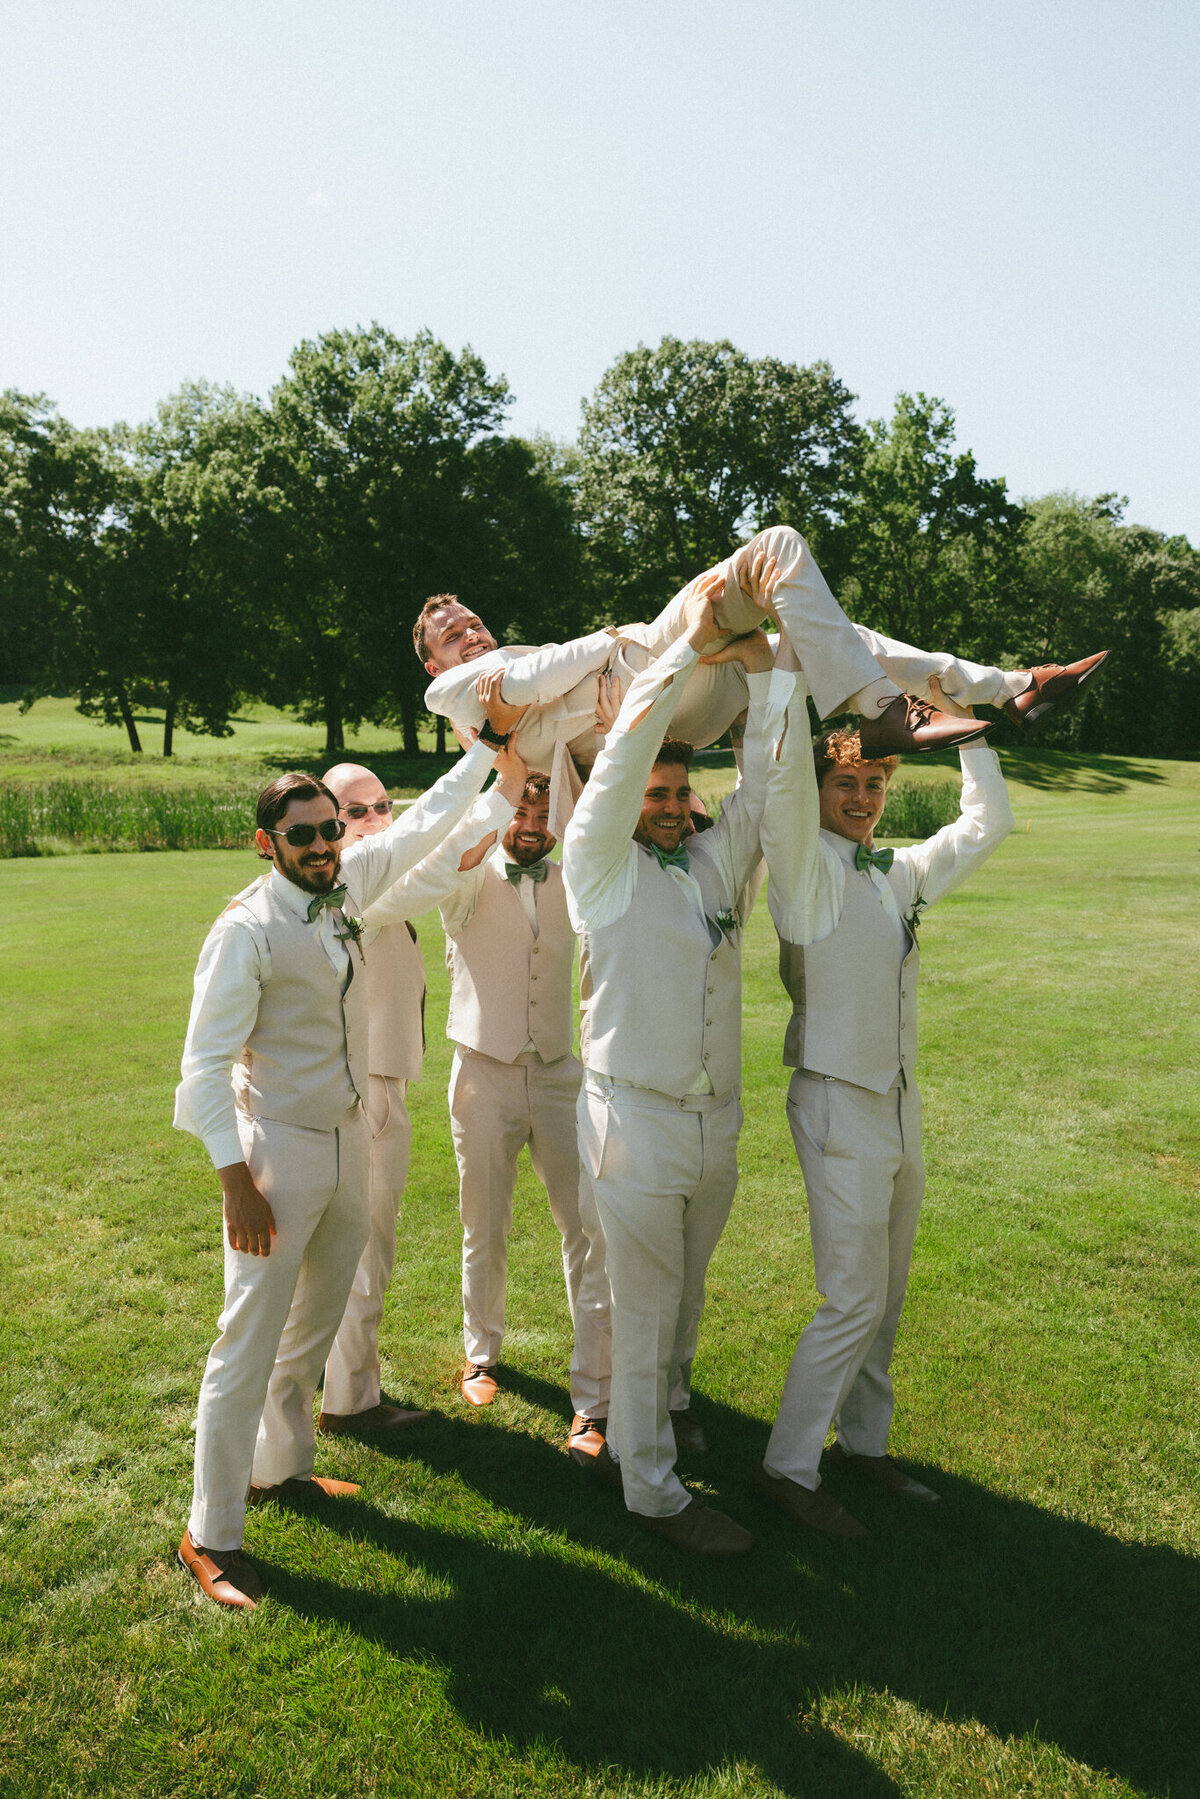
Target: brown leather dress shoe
(585, 1439)
(818, 1509)
(1050, 684)
(224, 1574)
(386, 1416)
(296, 1490)
(689, 1434)
(701, 1529)
(479, 1385)
(910, 726)
(882, 1471)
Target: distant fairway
(483, 1622)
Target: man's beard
(317, 880)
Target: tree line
(234, 549)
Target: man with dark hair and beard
(280, 1001)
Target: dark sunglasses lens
(356, 812)
(300, 836)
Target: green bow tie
(535, 870)
(676, 858)
(880, 859)
(333, 899)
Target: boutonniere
(728, 921)
(352, 934)
(912, 917)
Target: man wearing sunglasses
(280, 1000)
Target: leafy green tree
(76, 629)
(191, 511)
(1093, 582)
(689, 448)
(929, 546)
(369, 466)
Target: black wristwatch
(492, 738)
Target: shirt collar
(845, 847)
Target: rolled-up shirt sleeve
(228, 986)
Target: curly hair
(843, 748)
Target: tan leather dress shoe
(296, 1490)
(479, 1385)
(585, 1439)
(818, 1509)
(883, 1472)
(689, 1434)
(1050, 684)
(910, 726)
(701, 1529)
(386, 1416)
(224, 1574)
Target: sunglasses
(383, 807)
(300, 836)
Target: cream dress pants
(664, 1173)
(352, 1371)
(496, 1108)
(840, 659)
(861, 1156)
(280, 1316)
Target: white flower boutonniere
(912, 917)
(729, 921)
(352, 934)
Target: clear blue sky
(993, 203)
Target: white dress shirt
(235, 962)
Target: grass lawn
(481, 1621)
(53, 742)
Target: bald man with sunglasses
(275, 1079)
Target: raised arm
(596, 846)
(438, 875)
(803, 891)
(932, 869)
(943, 862)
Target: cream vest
(854, 995)
(508, 988)
(396, 1002)
(661, 990)
(305, 1061)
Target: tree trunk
(127, 719)
(335, 741)
(408, 721)
(169, 726)
(441, 733)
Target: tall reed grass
(56, 818)
(60, 817)
(920, 809)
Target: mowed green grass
(481, 1620)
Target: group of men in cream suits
(636, 1145)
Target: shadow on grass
(984, 1609)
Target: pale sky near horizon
(992, 203)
